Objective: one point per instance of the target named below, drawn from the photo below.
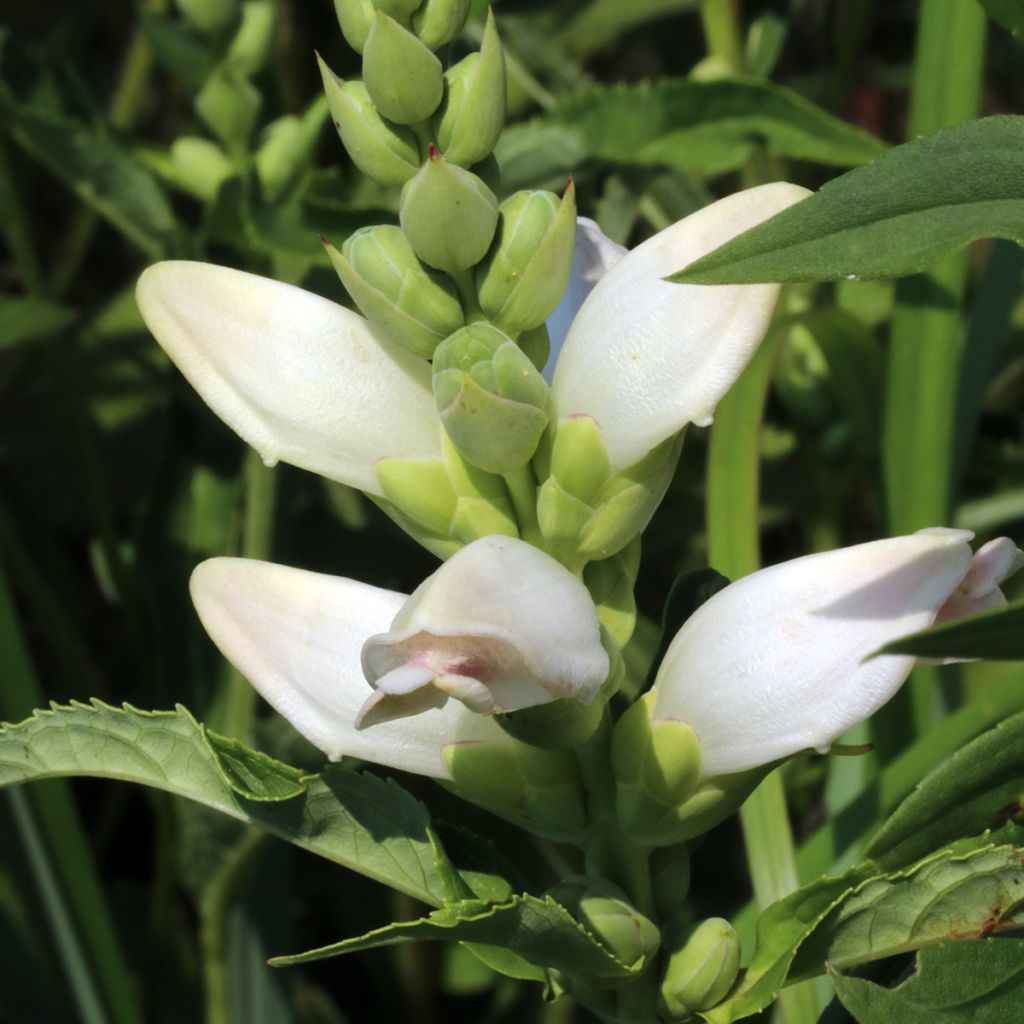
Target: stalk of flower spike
(780, 661)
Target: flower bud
(701, 971)
(402, 76)
(382, 151)
(448, 214)
(286, 148)
(421, 489)
(438, 22)
(477, 517)
(209, 16)
(200, 166)
(523, 278)
(605, 911)
(355, 18)
(228, 104)
(414, 307)
(397, 9)
(500, 626)
(540, 790)
(611, 582)
(473, 113)
(490, 397)
(250, 47)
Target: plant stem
(721, 21)
(522, 488)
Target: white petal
(595, 254)
(645, 357)
(774, 663)
(300, 378)
(296, 637)
(501, 598)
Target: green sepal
(472, 114)
(525, 276)
(403, 77)
(448, 214)
(250, 46)
(441, 545)
(286, 148)
(468, 480)
(414, 307)
(384, 152)
(560, 516)
(536, 343)
(228, 104)
(579, 460)
(355, 17)
(479, 517)
(438, 22)
(200, 166)
(490, 397)
(560, 725)
(539, 790)
(701, 969)
(610, 582)
(421, 490)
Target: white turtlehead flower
(645, 357)
(498, 627)
(775, 662)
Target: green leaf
(997, 635)
(946, 896)
(976, 788)
(897, 216)
(26, 318)
(980, 982)
(1009, 14)
(604, 21)
(352, 818)
(709, 127)
(541, 930)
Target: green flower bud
(397, 9)
(419, 488)
(437, 22)
(479, 517)
(250, 47)
(560, 516)
(473, 113)
(287, 147)
(490, 397)
(610, 583)
(605, 911)
(701, 971)
(579, 461)
(355, 18)
(540, 790)
(200, 166)
(448, 214)
(382, 151)
(525, 275)
(656, 767)
(228, 104)
(414, 307)
(209, 16)
(404, 79)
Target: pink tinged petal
(296, 636)
(645, 357)
(301, 379)
(774, 663)
(595, 254)
(500, 626)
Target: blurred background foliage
(132, 132)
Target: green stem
(522, 488)
(721, 21)
(466, 287)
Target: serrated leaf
(539, 929)
(976, 788)
(1009, 14)
(708, 126)
(355, 819)
(956, 982)
(253, 774)
(897, 216)
(26, 318)
(946, 896)
(997, 635)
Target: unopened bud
(250, 47)
(403, 77)
(228, 104)
(605, 911)
(525, 275)
(355, 18)
(200, 166)
(701, 971)
(490, 397)
(400, 10)
(420, 489)
(448, 214)
(611, 585)
(287, 146)
(473, 113)
(438, 22)
(382, 151)
(210, 16)
(414, 307)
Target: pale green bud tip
(414, 307)
(403, 77)
(490, 397)
(448, 214)
(525, 276)
(438, 22)
(702, 971)
(355, 18)
(382, 151)
(400, 10)
(605, 911)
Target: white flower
(775, 662)
(500, 626)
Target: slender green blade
(997, 635)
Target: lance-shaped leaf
(897, 216)
(356, 820)
(299, 378)
(997, 634)
(541, 930)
